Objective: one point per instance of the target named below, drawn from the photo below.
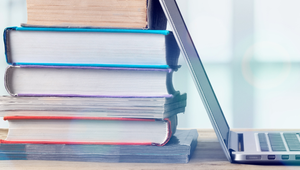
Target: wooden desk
(208, 155)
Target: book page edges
(155, 19)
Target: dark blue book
(178, 150)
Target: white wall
(249, 49)
(277, 56)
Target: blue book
(91, 47)
(178, 150)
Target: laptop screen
(199, 75)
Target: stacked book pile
(92, 81)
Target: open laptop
(242, 147)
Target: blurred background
(250, 50)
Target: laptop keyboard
(277, 142)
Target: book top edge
(109, 30)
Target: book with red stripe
(89, 130)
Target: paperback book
(178, 150)
(158, 108)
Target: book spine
(7, 83)
(169, 132)
(172, 51)
(7, 44)
(170, 86)
(156, 16)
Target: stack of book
(91, 76)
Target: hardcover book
(65, 81)
(142, 14)
(89, 130)
(158, 108)
(91, 47)
(178, 150)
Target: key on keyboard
(263, 142)
(276, 142)
(292, 141)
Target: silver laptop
(241, 147)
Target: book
(66, 81)
(89, 130)
(158, 108)
(91, 47)
(142, 14)
(178, 150)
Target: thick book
(158, 108)
(91, 47)
(89, 130)
(141, 14)
(66, 81)
(178, 150)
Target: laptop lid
(199, 75)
